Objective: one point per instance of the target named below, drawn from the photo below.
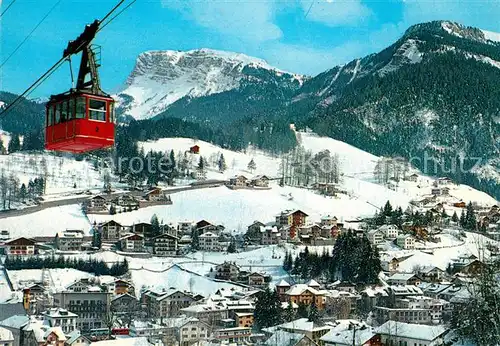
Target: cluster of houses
(242, 182)
(106, 204)
(293, 226)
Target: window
(71, 109)
(58, 114)
(97, 110)
(64, 111)
(111, 112)
(50, 116)
(80, 107)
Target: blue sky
(333, 32)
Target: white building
(376, 236)
(398, 333)
(63, 318)
(390, 231)
(209, 242)
(405, 241)
(70, 240)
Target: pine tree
(462, 219)
(231, 248)
(454, 218)
(222, 163)
(289, 314)
(201, 164)
(252, 166)
(388, 209)
(268, 311)
(22, 192)
(14, 144)
(96, 239)
(470, 218)
(155, 226)
(112, 209)
(302, 310)
(313, 313)
(195, 240)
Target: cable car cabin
(79, 122)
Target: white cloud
(336, 12)
(246, 20)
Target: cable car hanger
(54, 67)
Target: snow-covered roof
(59, 313)
(303, 324)
(282, 337)
(138, 341)
(346, 337)
(6, 335)
(283, 283)
(16, 321)
(409, 330)
(312, 283)
(298, 289)
(401, 276)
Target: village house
(328, 220)
(413, 178)
(403, 279)
(258, 279)
(238, 181)
(125, 304)
(390, 231)
(156, 194)
(209, 242)
(87, 300)
(270, 235)
(314, 331)
(327, 189)
(185, 227)
(227, 271)
(261, 181)
(111, 231)
(253, 233)
(234, 335)
(120, 286)
(132, 243)
(20, 247)
(165, 245)
(363, 335)
(195, 149)
(143, 228)
(376, 236)
(405, 241)
(35, 299)
(97, 203)
(63, 318)
(431, 274)
(305, 294)
(244, 319)
(69, 240)
(293, 219)
(190, 330)
(168, 303)
(126, 201)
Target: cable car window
(111, 112)
(80, 108)
(64, 111)
(97, 110)
(71, 109)
(50, 116)
(58, 114)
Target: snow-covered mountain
(161, 78)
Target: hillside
(433, 94)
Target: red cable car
(82, 119)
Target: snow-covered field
(60, 277)
(47, 222)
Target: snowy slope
(492, 36)
(61, 172)
(162, 77)
(47, 222)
